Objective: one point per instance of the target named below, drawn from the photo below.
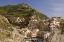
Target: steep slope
(9, 33)
(20, 10)
(4, 23)
(57, 37)
(23, 11)
(5, 28)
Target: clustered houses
(19, 20)
(56, 21)
(33, 29)
(25, 31)
(16, 19)
(31, 33)
(50, 24)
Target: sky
(50, 8)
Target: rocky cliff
(57, 36)
(9, 33)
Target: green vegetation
(20, 10)
(62, 27)
(9, 35)
(5, 28)
(4, 35)
(4, 24)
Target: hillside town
(44, 30)
(21, 23)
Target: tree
(62, 27)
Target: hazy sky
(48, 7)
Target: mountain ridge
(20, 9)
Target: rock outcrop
(9, 33)
(57, 36)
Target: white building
(56, 21)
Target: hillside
(23, 11)
(5, 28)
(4, 23)
(20, 10)
(8, 32)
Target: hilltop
(18, 22)
(21, 12)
